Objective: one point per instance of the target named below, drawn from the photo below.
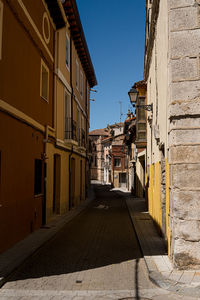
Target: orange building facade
(29, 118)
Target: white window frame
(43, 65)
(1, 27)
(81, 83)
(67, 52)
(77, 75)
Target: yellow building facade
(156, 75)
(67, 155)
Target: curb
(192, 289)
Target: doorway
(72, 182)
(44, 198)
(122, 180)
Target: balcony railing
(81, 138)
(70, 129)
(74, 131)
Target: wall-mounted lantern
(133, 95)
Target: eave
(55, 13)
(78, 37)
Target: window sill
(67, 67)
(70, 141)
(38, 195)
(82, 148)
(46, 100)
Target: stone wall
(184, 131)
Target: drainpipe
(70, 155)
(72, 93)
(86, 139)
(44, 157)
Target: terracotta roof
(102, 132)
(140, 83)
(116, 125)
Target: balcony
(70, 129)
(81, 138)
(74, 130)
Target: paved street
(95, 256)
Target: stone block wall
(184, 131)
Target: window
(81, 83)
(78, 117)
(67, 51)
(142, 100)
(117, 162)
(141, 114)
(38, 177)
(68, 120)
(141, 135)
(44, 81)
(79, 125)
(1, 27)
(141, 126)
(77, 74)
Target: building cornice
(79, 40)
(150, 41)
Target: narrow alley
(95, 256)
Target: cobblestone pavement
(95, 256)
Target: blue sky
(114, 30)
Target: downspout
(127, 156)
(72, 94)
(86, 140)
(46, 133)
(44, 157)
(70, 156)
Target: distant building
(129, 141)
(107, 159)
(97, 168)
(119, 162)
(101, 140)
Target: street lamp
(133, 95)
